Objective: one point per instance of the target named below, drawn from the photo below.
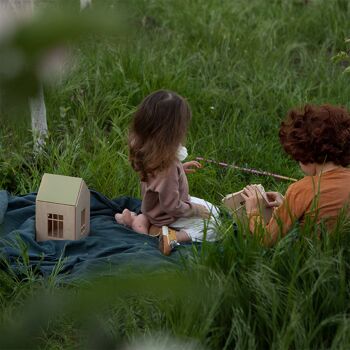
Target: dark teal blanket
(108, 247)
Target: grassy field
(241, 65)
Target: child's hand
(275, 199)
(188, 166)
(201, 211)
(253, 199)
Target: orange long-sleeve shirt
(320, 197)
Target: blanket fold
(3, 204)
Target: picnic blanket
(108, 247)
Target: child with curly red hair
(318, 137)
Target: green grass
(241, 65)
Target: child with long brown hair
(156, 135)
(318, 137)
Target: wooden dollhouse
(62, 208)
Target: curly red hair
(317, 134)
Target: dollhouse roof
(60, 189)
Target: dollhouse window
(55, 225)
(83, 221)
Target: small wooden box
(62, 208)
(236, 203)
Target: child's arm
(275, 199)
(170, 199)
(171, 203)
(190, 167)
(292, 208)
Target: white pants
(197, 228)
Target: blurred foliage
(343, 58)
(241, 65)
(232, 294)
(32, 50)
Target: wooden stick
(248, 170)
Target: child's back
(165, 196)
(319, 197)
(318, 137)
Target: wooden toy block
(62, 208)
(236, 203)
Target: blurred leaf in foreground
(37, 49)
(90, 305)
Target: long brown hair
(157, 130)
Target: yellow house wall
(83, 202)
(41, 222)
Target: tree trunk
(20, 8)
(24, 9)
(38, 114)
(39, 123)
(84, 4)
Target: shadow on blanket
(108, 247)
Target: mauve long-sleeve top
(165, 196)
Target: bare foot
(140, 224)
(119, 219)
(128, 217)
(125, 218)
